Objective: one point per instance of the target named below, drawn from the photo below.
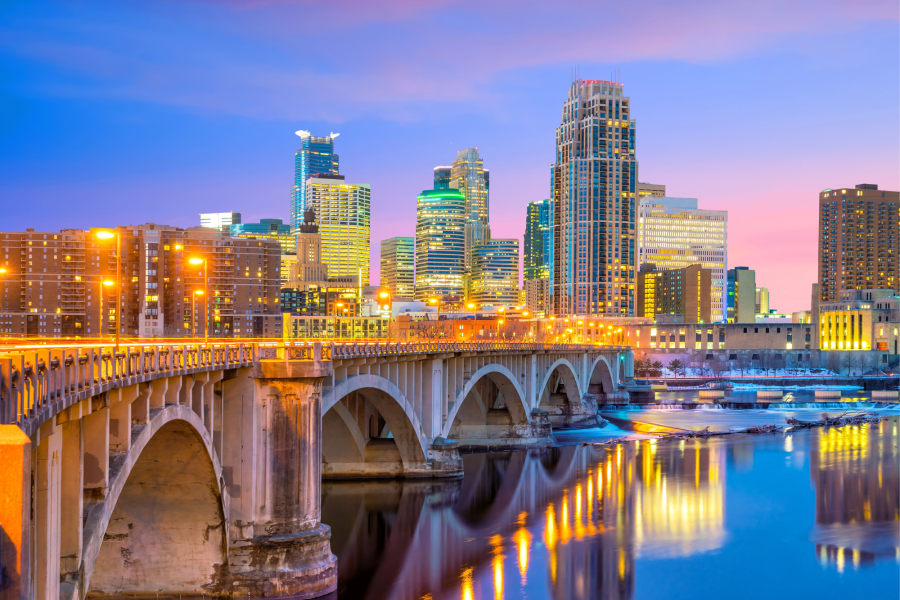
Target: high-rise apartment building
(683, 292)
(537, 297)
(220, 221)
(594, 190)
(274, 230)
(468, 175)
(442, 177)
(53, 284)
(741, 305)
(673, 233)
(398, 266)
(651, 190)
(494, 279)
(537, 240)
(440, 246)
(762, 301)
(315, 156)
(858, 240)
(342, 211)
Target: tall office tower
(442, 178)
(315, 156)
(594, 192)
(220, 221)
(762, 300)
(398, 266)
(468, 175)
(741, 295)
(441, 246)
(55, 281)
(673, 233)
(683, 292)
(494, 277)
(651, 189)
(858, 240)
(343, 214)
(537, 240)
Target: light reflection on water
(807, 513)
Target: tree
(656, 368)
(871, 361)
(676, 366)
(431, 330)
(744, 362)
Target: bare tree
(871, 361)
(833, 360)
(718, 368)
(431, 330)
(744, 362)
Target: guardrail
(33, 379)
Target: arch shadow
(503, 378)
(574, 390)
(602, 376)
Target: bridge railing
(34, 378)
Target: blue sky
(130, 112)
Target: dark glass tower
(316, 155)
(537, 240)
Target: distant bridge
(196, 469)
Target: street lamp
(108, 235)
(194, 312)
(107, 283)
(202, 261)
(390, 307)
(474, 312)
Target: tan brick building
(858, 240)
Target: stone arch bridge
(197, 469)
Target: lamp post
(108, 235)
(390, 307)
(194, 312)
(202, 261)
(107, 283)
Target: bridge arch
(398, 413)
(162, 523)
(603, 378)
(506, 382)
(574, 390)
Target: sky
(139, 111)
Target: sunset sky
(131, 112)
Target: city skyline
(198, 155)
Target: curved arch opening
(492, 411)
(368, 434)
(167, 530)
(601, 378)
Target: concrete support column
(47, 484)
(96, 450)
(72, 504)
(240, 447)
(157, 396)
(290, 552)
(120, 418)
(431, 404)
(15, 513)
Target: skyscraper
(468, 175)
(673, 234)
(398, 264)
(741, 295)
(594, 192)
(537, 240)
(762, 300)
(858, 240)
(442, 178)
(342, 211)
(494, 279)
(316, 155)
(440, 245)
(220, 221)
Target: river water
(812, 513)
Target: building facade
(494, 278)
(673, 234)
(220, 221)
(273, 230)
(537, 240)
(398, 266)
(537, 297)
(741, 295)
(53, 284)
(646, 190)
(594, 190)
(442, 176)
(315, 155)
(342, 211)
(468, 175)
(860, 320)
(684, 292)
(858, 240)
(440, 245)
(762, 301)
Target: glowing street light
(196, 261)
(108, 235)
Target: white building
(220, 221)
(673, 233)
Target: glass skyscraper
(442, 178)
(398, 265)
(468, 175)
(316, 155)
(342, 211)
(594, 191)
(537, 240)
(440, 246)
(494, 280)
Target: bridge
(197, 468)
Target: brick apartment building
(52, 284)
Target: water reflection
(572, 522)
(854, 470)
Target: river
(812, 513)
